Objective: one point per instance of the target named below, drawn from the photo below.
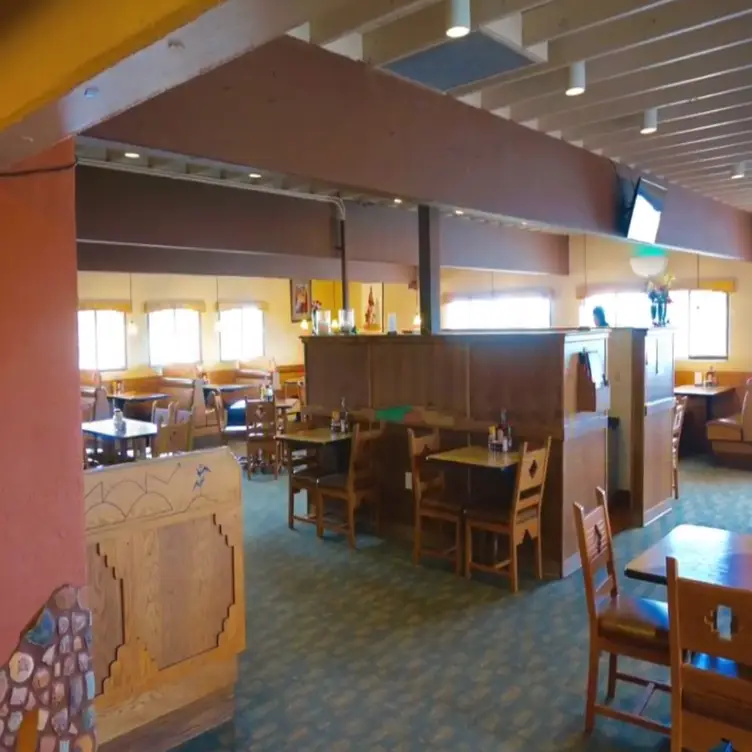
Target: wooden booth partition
(165, 561)
(460, 383)
(641, 373)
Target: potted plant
(659, 294)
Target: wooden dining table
(476, 456)
(705, 554)
(115, 442)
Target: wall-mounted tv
(645, 214)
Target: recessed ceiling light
(739, 172)
(397, 200)
(458, 18)
(459, 212)
(132, 155)
(254, 175)
(649, 121)
(90, 92)
(576, 79)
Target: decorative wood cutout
(50, 675)
(598, 533)
(533, 469)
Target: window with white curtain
(101, 341)
(174, 336)
(502, 312)
(699, 319)
(241, 333)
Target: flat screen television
(645, 213)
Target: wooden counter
(462, 382)
(165, 561)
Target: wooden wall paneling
(166, 574)
(596, 345)
(657, 492)
(337, 367)
(519, 373)
(659, 364)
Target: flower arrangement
(659, 294)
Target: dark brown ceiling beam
(301, 110)
(134, 210)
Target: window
(101, 340)
(698, 317)
(241, 333)
(174, 336)
(503, 312)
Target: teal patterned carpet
(363, 652)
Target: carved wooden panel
(106, 602)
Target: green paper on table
(393, 414)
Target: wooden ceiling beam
(685, 125)
(642, 150)
(427, 28)
(562, 17)
(681, 93)
(690, 158)
(699, 170)
(621, 63)
(623, 34)
(670, 114)
(662, 77)
(364, 15)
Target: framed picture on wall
(300, 300)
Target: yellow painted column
(48, 47)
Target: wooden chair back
(747, 412)
(680, 407)
(181, 390)
(596, 547)
(261, 419)
(699, 626)
(102, 409)
(172, 439)
(424, 477)
(163, 416)
(91, 378)
(87, 410)
(531, 480)
(362, 468)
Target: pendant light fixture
(132, 327)
(739, 171)
(577, 79)
(649, 121)
(458, 18)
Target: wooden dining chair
(163, 416)
(680, 408)
(172, 438)
(358, 487)
(430, 500)
(514, 521)
(304, 468)
(102, 407)
(711, 656)
(260, 438)
(620, 625)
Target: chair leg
(613, 663)
(248, 461)
(468, 550)
(290, 506)
(458, 546)
(417, 534)
(676, 482)
(318, 506)
(592, 688)
(513, 575)
(539, 557)
(351, 523)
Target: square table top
(227, 387)
(706, 554)
(478, 457)
(138, 396)
(283, 404)
(689, 390)
(314, 436)
(134, 429)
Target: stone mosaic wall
(50, 675)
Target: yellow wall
(281, 335)
(605, 263)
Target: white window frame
(244, 356)
(509, 298)
(158, 362)
(96, 312)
